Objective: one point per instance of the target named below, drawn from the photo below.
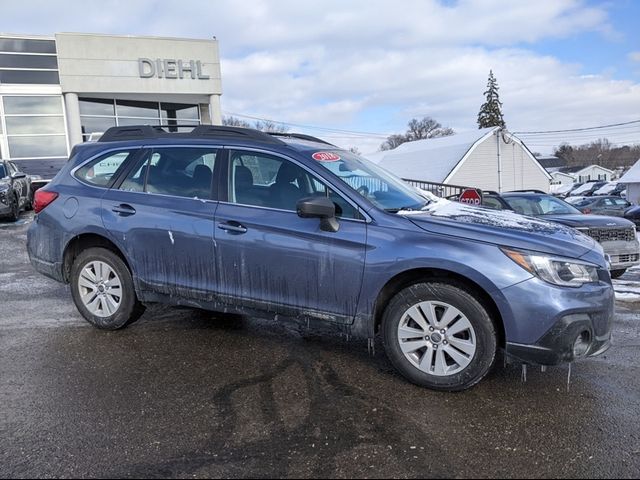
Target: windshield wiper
(411, 208)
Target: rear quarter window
(104, 169)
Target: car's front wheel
(102, 289)
(15, 208)
(439, 336)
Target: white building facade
(58, 91)
(488, 159)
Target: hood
(500, 227)
(588, 221)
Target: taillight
(42, 199)
(586, 210)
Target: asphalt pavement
(184, 393)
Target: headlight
(555, 270)
(4, 185)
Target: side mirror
(322, 208)
(18, 175)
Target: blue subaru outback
(289, 226)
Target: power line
(311, 127)
(578, 129)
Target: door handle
(124, 210)
(232, 227)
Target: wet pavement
(183, 393)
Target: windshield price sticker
(325, 157)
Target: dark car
(15, 191)
(291, 227)
(598, 205)
(633, 214)
(617, 236)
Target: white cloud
(371, 65)
(634, 56)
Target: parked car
(586, 189)
(611, 189)
(614, 206)
(617, 236)
(289, 226)
(633, 214)
(15, 191)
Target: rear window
(104, 169)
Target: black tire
(15, 209)
(618, 273)
(441, 291)
(129, 310)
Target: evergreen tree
(491, 111)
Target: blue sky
(372, 65)
(602, 52)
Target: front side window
(273, 182)
(176, 171)
(101, 171)
(3, 173)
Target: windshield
(540, 205)
(370, 181)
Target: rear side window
(176, 171)
(102, 171)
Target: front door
(162, 212)
(270, 258)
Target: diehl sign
(169, 68)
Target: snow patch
(171, 238)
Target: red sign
(325, 157)
(471, 196)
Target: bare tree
(601, 152)
(262, 125)
(270, 126)
(230, 121)
(417, 129)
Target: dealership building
(58, 91)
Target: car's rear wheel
(439, 336)
(618, 273)
(102, 289)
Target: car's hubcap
(100, 289)
(437, 338)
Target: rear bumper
(49, 269)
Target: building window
(28, 61)
(34, 126)
(97, 114)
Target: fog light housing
(582, 344)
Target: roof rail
(300, 136)
(141, 132)
(530, 190)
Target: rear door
(270, 258)
(162, 211)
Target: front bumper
(622, 255)
(553, 325)
(572, 338)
